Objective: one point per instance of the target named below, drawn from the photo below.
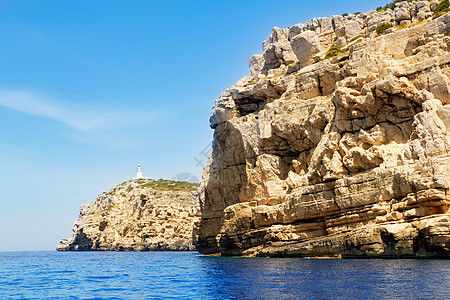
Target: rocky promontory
(338, 144)
(138, 215)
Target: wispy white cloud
(82, 119)
(115, 140)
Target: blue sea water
(189, 275)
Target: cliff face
(137, 215)
(342, 156)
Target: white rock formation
(345, 156)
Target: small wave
(101, 277)
(60, 272)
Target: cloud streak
(82, 119)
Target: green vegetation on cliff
(162, 185)
(167, 185)
(442, 8)
(381, 29)
(334, 50)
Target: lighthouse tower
(139, 173)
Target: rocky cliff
(338, 144)
(138, 215)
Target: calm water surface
(188, 275)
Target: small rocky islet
(338, 144)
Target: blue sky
(89, 89)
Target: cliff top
(162, 185)
(290, 49)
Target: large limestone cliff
(138, 215)
(345, 156)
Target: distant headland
(138, 215)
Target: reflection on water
(175, 275)
(284, 278)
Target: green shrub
(345, 14)
(357, 42)
(379, 9)
(443, 7)
(168, 185)
(357, 13)
(381, 29)
(333, 51)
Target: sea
(190, 275)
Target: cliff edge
(138, 215)
(338, 144)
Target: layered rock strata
(347, 156)
(136, 216)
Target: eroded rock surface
(345, 156)
(135, 216)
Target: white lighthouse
(139, 173)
